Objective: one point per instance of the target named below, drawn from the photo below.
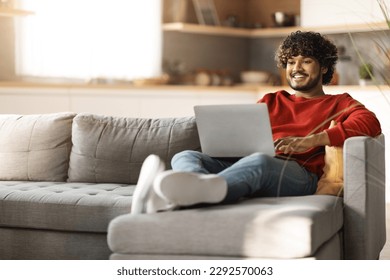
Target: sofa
(66, 184)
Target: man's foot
(144, 196)
(186, 188)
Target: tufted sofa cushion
(35, 147)
(83, 207)
(112, 149)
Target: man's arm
(301, 144)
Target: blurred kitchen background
(199, 56)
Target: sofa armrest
(364, 197)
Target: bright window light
(89, 38)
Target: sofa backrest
(112, 149)
(35, 147)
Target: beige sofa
(66, 182)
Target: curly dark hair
(309, 44)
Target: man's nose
(297, 66)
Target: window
(86, 39)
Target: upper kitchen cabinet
(256, 18)
(346, 12)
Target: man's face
(304, 73)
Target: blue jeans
(257, 175)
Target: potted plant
(365, 74)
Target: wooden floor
(385, 254)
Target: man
(300, 126)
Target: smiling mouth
(298, 76)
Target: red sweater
(297, 116)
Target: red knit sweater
(297, 116)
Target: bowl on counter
(255, 77)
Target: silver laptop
(234, 130)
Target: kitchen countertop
(237, 87)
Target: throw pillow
(35, 147)
(331, 182)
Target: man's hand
(293, 144)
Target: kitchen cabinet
(118, 100)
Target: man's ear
(324, 70)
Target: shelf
(206, 29)
(10, 12)
(270, 32)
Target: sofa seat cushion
(80, 207)
(287, 227)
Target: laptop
(234, 130)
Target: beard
(309, 85)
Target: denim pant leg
(252, 176)
(193, 161)
(260, 175)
